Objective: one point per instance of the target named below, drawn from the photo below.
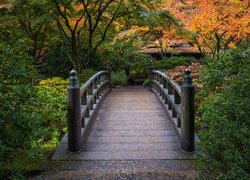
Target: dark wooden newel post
(187, 128)
(151, 69)
(74, 114)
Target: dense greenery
(225, 116)
(119, 79)
(124, 55)
(171, 62)
(20, 123)
(31, 115)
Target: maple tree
(85, 24)
(217, 25)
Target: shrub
(53, 107)
(30, 116)
(225, 117)
(20, 126)
(119, 79)
(171, 62)
(146, 83)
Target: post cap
(72, 73)
(73, 80)
(187, 77)
(187, 71)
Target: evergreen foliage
(119, 79)
(20, 125)
(225, 116)
(167, 63)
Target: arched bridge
(133, 123)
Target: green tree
(85, 24)
(35, 23)
(124, 55)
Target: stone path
(131, 137)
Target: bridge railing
(83, 103)
(178, 102)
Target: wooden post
(74, 114)
(151, 76)
(187, 125)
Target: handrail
(178, 101)
(82, 105)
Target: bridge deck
(131, 137)
(131, 124)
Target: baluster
(101, 91)
(101, 79)
(178, 122)
(84, 98)
(90, 89)
(187, 126)
(160, 79)
(177, 98)
(165, 83)
(87, 113)
(98, 94)
(170, 89)
(169, 105)
(91, 107)
(174, 114)
(98, 80)
(95, 84)
(166, 99)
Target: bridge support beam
(74, 114)
(188, 114)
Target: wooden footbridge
(130, 125)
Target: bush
(225, 117)
(30, 116)
(21, 127)
(119, 79)
(167, 63)
(53, 107)
(146, 83)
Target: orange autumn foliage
(218, 24)
(177, 73)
